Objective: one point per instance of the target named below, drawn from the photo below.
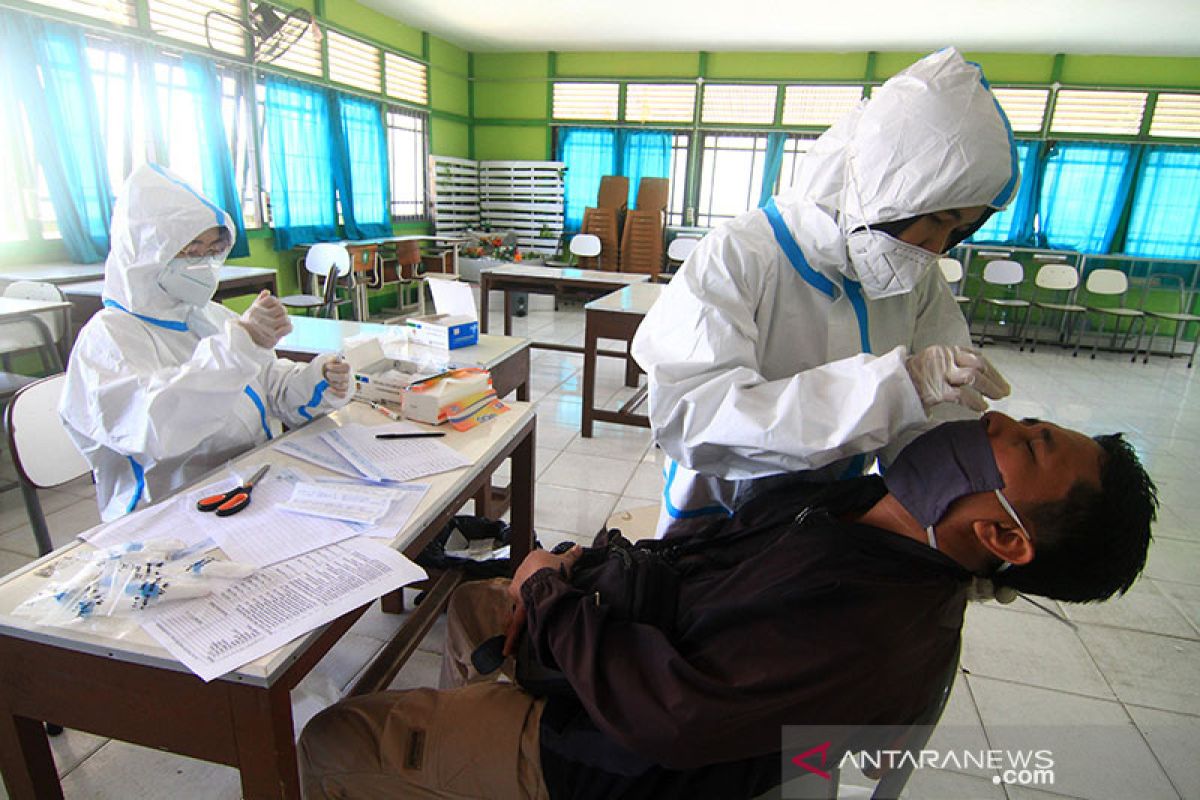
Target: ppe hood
(931, 138)
(157, 214)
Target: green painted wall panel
(510, 100)
(449, 92)
(357, 18)
(511, 142)
(888, 64)
(627, 65)
(449, 138)
(1015, 67)
(449, 57)
(512, 65)
(804, 66)
(1132, 71)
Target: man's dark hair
(1092, 544)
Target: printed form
(216, 634)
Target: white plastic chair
(952, 271)
(1058, 279)
(328, 262)
(1111, 283)
(586, 245)
(678, 250)
(1009, 274)
(1182, 318)
(57, 323)
(42, 452)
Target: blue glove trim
(140, 476)
(679, 513)
(313, 401)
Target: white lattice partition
(455, 195)
(525, 197)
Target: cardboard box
(445, 331)
(376, 376)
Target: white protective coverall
(159, 391)
(762, 356)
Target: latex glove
(944, 374)
(337, 373)
(266, 320)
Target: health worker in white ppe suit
(163, 384)
(808, 335)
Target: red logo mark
(823, 749)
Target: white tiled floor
(1127, 676)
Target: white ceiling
(1137, 27)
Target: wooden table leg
(521, 488)
(262, 728)
(632, 370)
(26, 760)
(589, 375)
(484, 290)
(508, 309)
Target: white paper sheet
(316, 451)
(392, 459)
(261, 534)
(345, 502)
(154, 522)
(215, 634)
(453, 297)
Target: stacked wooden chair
(605, 221)
(642, 239)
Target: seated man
(839, 604)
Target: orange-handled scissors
(235, 499)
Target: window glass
(407, 151)
(731, 170)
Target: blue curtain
(771, 166)
(644, 154)
(216, 157)
(1165, 220)
(590, 154)
(303, 167)
(361, 147)
(60, 105)
(1014, 225)
(1084, 189)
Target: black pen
(407, 435)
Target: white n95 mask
(884, 265)
(192, 281)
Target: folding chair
(952, 271)
(1110, 283)
(1059, 279)
(1181, 318)
(42, 452)
(1009, 274)
(328, 262)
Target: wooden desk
(58, 273)
(15, 307)
(615, 316)
(133, 690)
(547, 280)
(87, 297)
(507, 357)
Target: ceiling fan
(272, 31)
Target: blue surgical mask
(950, 461)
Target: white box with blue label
(444, 331)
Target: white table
(15, 308)
(133, 690)
(615, 316)
(506, 357)
(56, 273)
(547, 280)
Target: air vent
(1090, 111)
(596, 101)
(660, 102)
(818, 105)
(739, 105)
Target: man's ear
(1003, 540)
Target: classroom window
(1091, 111)
(793, 155)
(118, 12)
(354, 63)
(731, 171)
(208, 23)
(739, 104)
(680, 144)
(1176, 115)
(406, 79)
(1165, 222)
(595, 101)
(1025, 108)
(819, 106)
(407, 156)
(1082, 192)
(660, 102)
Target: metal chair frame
(1058, 279)
(1111, 283)
(1181, 318)
(1001, 272)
